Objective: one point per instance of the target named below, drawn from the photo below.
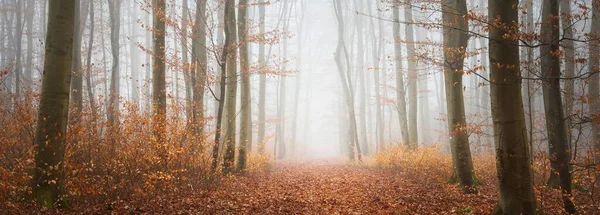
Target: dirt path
(325, 187)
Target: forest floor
(326, 187)
(323, 187)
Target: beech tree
(513, 161)
(48, 175)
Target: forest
(300, 107)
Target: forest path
(329, 187)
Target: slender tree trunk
(200, 67)
(88, 77)
(569, 50)
(361, 79)
(593, 86)
(246, 123)
(455, 42)
(30, 13)
(515, 175)
(18, 68)
(346, 83)
(262, 80)
(377, 51)
(413, 76)
(400, 93)
(231, 101)
(159, 94)
(114, 7)
(48, 174)
(134, 54)
(76, 67)
(555, 124)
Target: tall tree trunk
(377, 50)
(569, 50)
(413, 76)
(198, 75)
(298, 77)
(455, 42)
(555, 124)
(361, 79)
(246, 122)
(593, 86)
(48, 174)
(346, 82)
(262, 80)
(19, 46)
(114, 7)
(30, 13)
(159, 94)
(400, 93)
(88, 77)
(513, 163)
(76, 67)
(231, 91)
(134, 54)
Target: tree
(513, 162)
(413, 76)
(198, 73)
(569, 50)
(48, 175)
(593, 85)
(262, 79)
(76, 67)
(400, 93)
(246, 122)
(114, 8)
(553, 107)
(346, 82)
(455, 42)
(159, 94)
(231, 91)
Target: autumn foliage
(108, 167)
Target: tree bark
(555, 124)
(593, 86)
(114, 7)
(400, 93)
(246, 123)
(48, 174)
(455, 42)
(413, 76)
(262, 80)
(513, 163)
(159, 94)
(231, 91)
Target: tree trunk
(593, 86)
(159, 94)
(30, 13)
(400, 93)
(555, 124)
(134, 54)
(361, 79)
(515, 175)
(48, 174)
(346, 83)
(455, 42)
(88, 78)
(569, 50)
(114, 7)
(200, 67)
(231, 91)
(413, 76)
(377, 50)
(262, 80)
(246, 123)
